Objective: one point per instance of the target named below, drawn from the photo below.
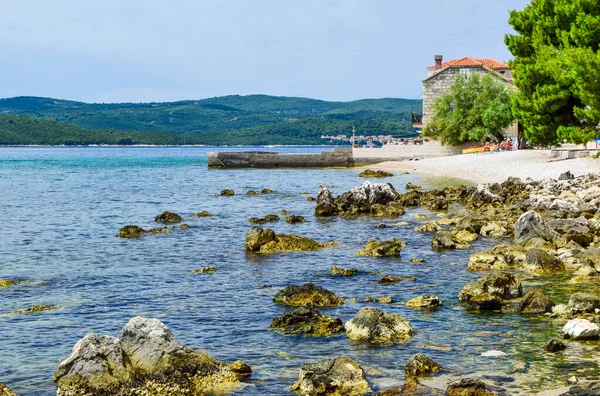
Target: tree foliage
(556, 69)
(473, 109)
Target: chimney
(438, 61)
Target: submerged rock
(395, 279)
(205, 270)
(307, 321)
(468, 387)
(539, 261)
(425, 301)
(227, 193)
(500, 284)
(417, 260)
(168, 217)
(35, 309)
(338, 376)
(535, 302)
(326, 205)
(132, 231)
(146, 360)
(6, 283)
(204, 213)
(338, 271)
(376, 327)
(267, 191)
(420, 365)
(374, 248)
(580, 329)
(373, 173)
(554, 345)
(307, 295)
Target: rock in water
(375, 326)
(468, 387)
(535, 302)
(146, 360)
(420, 365)
(531, 225)
(292, 242)
(6, 283)
(500, 257)
(338, 271)
(501, 284)
(131, 231)
(227, 193)
(204, 213)
(293, 219)
(554, 345)
(257, 236)
(168, 217)
(374, 248)
(425, 301)
(5, 391)
(326, 205)
(307, 321)
(307, 295)
(372, 173)
(446, 240)
(539, 261)
(580, 329)
(363, 197)
(584, 303)
(394, 279)
(338, 376)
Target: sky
(156, 50)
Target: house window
(465, 71)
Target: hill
(253, 119)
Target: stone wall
(402, 152)
(262, 159)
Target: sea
(63, 208)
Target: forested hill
(253, 119)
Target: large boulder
(338, 376)
(360, 199)
(425, 301)
(420, 365)
(291, 243)
(307, 321)
(468, 387)
(376, 327)
(307, 295)
(531, 225)
(535, 302)
(538, 261)
(326, 205)
(389, 248)
(501, 257)
(584, 303)
(257, 237)
(580, 329)
(499, 284)
(146, 360)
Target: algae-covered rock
(493, 229)
(373, 173)
(307, 295)
(6, 283)
(168, 217)
(417, 260)
(257, 237)
(292, 242)
(503, 285)
(251, 192)
(267, 191)
(468, 387)
(204, 270)
(374, 248)
(227, 193)
(411, 186)
(535, 302)
(131, 231)
(307, 321)
(5, 391)
(420, 365)
(539, 261)
(485, 302)
(147, 360)
(444, 240)
(420, 216)
(326, 205)
(390, 210)
(500, 257)
(425, 301)
(295, 219)
(554, 345)
(241, 369)
(395, 279)
(584, 303)
(257, 220)
(464, 237)
(204, 213)
(271, 217)
(428, 226)
(36, 309)
(376, 327)
(338, 271)
(338, 376)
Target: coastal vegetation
(473, 109)
(228, 120)
(556, 69)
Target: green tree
(473, 109)
(556, 69)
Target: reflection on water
(63, 208)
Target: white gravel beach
(497, 167)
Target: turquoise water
(63, 207)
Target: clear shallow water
(63, 207)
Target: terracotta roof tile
(468, 61)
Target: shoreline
(495, 167)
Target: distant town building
(441, 76)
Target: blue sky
(140, 51)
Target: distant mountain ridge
(234, 119)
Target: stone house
(442, 75)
